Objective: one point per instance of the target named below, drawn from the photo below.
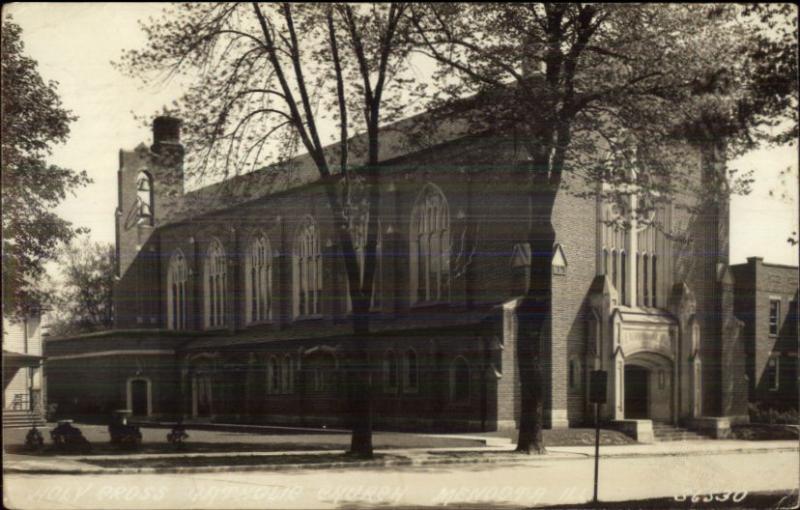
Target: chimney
(166, 134)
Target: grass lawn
(205, 441)
(583, 437)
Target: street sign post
(597, 395)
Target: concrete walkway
(497, 454)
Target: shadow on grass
(251, 460)
(166, 448)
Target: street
(538, 482)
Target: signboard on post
(597, 386)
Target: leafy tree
(84, 301)
(263, 79)
(32, 121)
(609, 93)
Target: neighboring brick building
(766, 300)
(232, 301)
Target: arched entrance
(637, 392)
(648, 387)
(139, 397)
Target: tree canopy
(597, 89)
(268, 80)
(83, 300)
(612, 94)
(33, 119)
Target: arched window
(459, 380)
(390, 372)
(623, 291)
(654, 281)
(358, 229)
(320, 370)
(410, 371)
(645, 285)
(258, 287)
(430, 247)
(176, 291)
(216, 285)
(605, 262)
(307, 274)
(144, 198)
(614, 270)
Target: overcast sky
(75, 43)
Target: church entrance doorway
(637, 392)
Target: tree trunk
(534, 336)
(359, 385)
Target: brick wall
(757, 283)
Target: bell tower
(149, 191)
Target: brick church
(232, 302)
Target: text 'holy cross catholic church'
(232, 303)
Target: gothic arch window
(176, 291)
(614, 270)
(215, 283)
(144, 198)
(307, 273)
(623, 285)
(358, 229)
(430, 247)
(258, 280)
(410, 371)
(321, 372)
(645, 284)
(390, 372)
(459, 380)
(654, 281)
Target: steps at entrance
(27, 419)
(668, 432)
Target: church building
(232, 303)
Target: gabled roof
(399, 139)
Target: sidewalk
(327, 459)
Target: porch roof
(18, 359)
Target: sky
(74, 44)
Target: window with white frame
(144, 198)
(215, 285)
(774, 316)
(430, 247)
(307, 274)
(176, 291)
(258, 288)
(410, 371)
